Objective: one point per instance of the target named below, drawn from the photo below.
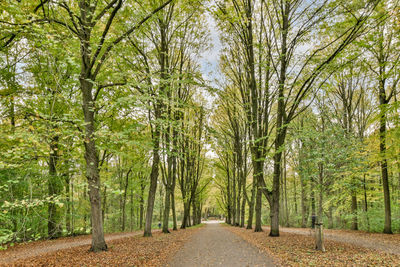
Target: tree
(383, 63)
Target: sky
(209, 60)
(210, 68)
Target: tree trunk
(188, 218)
(319, 245)
(152, 189)
(285, 188)
(383, 162)
(243, 209)
(55, 185)
(141, 204)
(104, 208)
(313, 212)
(281, 126)
(194, 210)
(167, 204)
(185, 217)
(72, 208)
(238, 148)
(251, 203)
(229, 196)
(68, 200)
(304, 214)
(354, 224)
(238, 202)
(258, 166)
(319, 233)
(258, 209)
(175, 223)
(275, 191)
(160, 218)
(366, 201)
(132, 209)
(92, 158)
(124, 201)
(153, 179)
(233, 206)
(174, 174)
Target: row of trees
(101, 108)
(309, 107)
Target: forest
(121, 116)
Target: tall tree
(384, 60)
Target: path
(38, 248)
(215, 246)
(377, 241)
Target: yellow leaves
(30, 127)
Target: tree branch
(126, 34)
(105, 86)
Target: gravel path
(376, 241)
(215, 246)
(36, 249)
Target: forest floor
(124, 249)
(377, 241)
(214, 245)
(295, 247)
(32, 249)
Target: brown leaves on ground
(132, 251)
(376, 241)
(298, 250)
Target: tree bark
(132, 209)
(320, 237)
(68, 200)
(87, 80)
(243, 209)
(354, 224)
(54, 226)
(366, 200)
(229, 196)
(281, 126)
(167, 204)
(383, 162)
(275, 191)
(285, 189)
(251, 203)
(153, 179)
(258, 209)
(141, 204)
(258, 167)
(175, 224)
(124, 201)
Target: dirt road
(215, 246)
